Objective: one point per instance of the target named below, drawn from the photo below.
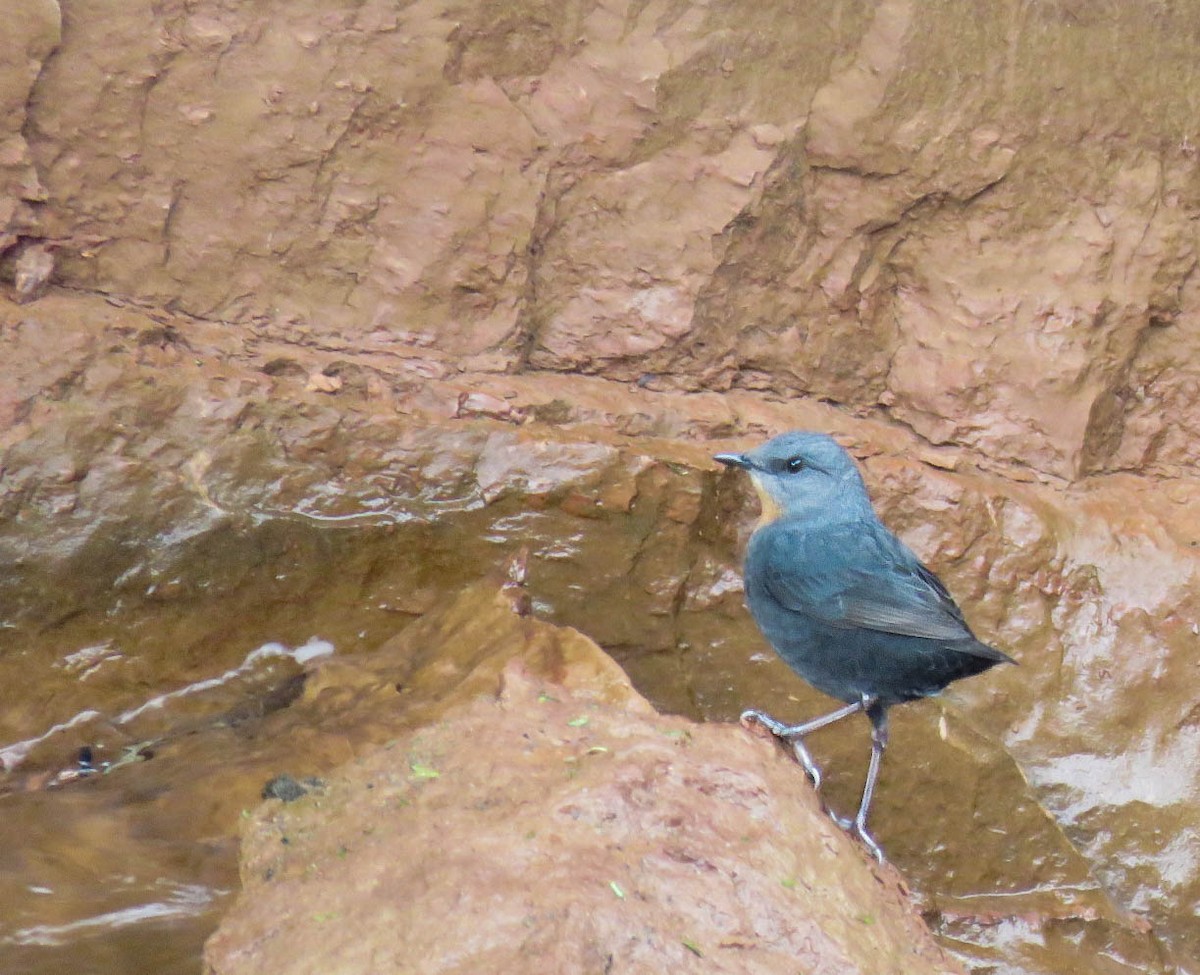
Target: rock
(31, 34)
(895, 210)
(355, 298)
(284, 788)
(320, 383)
(32, 271)
(292, 512)
(549, 817)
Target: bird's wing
(859, 575)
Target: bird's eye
(794, 465)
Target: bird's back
(854, 612)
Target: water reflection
(180, 900)
(136, 863)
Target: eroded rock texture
(553, 822)
(31, 32)
(344, 267)
(977, 219)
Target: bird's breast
(771, 509)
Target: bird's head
(803, 474)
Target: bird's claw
(786, 733)
(754, 717)
(843, 822)
(858, 830)
(868, 841)
(811, 769)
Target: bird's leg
(794, 734)
(879, 739)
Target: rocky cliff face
(977, 220)
(33, 33)
(487, 264)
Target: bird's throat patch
(770, 507)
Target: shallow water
(168, 673)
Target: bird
(844, 602)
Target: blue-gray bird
(843, 601)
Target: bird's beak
(734, 460)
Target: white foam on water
(14, 754)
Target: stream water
(132, 702)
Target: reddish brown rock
(893, 205)
(555, 821)
(296, 511)
(33, 31)
(959, 236)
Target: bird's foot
(868, 841)
(789, 734)
(753, 717)
(844, 822)
(858, 830)
(811, 769)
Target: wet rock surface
(847, 201)
(34, 32)
(555, 821)
(182, 501)
(317, 314)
